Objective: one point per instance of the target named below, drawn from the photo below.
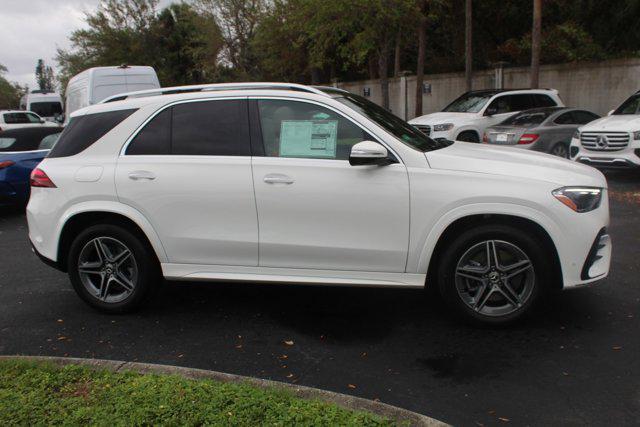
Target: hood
(513, 162)
(616, 122)
(443, 117)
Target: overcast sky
(33, 29)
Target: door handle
(277, 178)
(139, 175)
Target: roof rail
(211, 87)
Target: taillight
(40, 179)
(485, 139)
(528, 138)
(6, 164)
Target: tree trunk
(468, 44)
(397, 56)
(383, 70)
(422, 49)
(535, 43)
(316, 76)
(373, 68)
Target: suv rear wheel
(111, 269)
(493, 273)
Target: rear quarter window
(83, 131)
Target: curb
(349, 402)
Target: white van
(47, 105)
(95, 84)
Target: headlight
(636, 135)
(443, 127)
(576, 134)
(579, 199)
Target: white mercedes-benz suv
(287, 183)
(467, 118)
(612, 141)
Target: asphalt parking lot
(576, 361)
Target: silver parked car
(542, 129)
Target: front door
(315, 210)
(188, 171)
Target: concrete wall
(597, 86)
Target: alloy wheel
(495, 278)
(560, 150)
(108, 269)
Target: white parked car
(13, 119)
(289, 183)
(467, 118)
(612, 141)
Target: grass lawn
(33, 393)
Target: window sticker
(308, 138)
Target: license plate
(502, 137)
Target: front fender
(460, 212)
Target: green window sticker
(308, 138)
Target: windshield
(630, 106)
(396, 126)
(527, 119)
(46, 109)
(469, 103)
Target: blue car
(20, 152)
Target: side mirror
(490, 111)
(42, 121)
(368, 153)
(60, 118)
(610, 112)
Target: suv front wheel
(493, 273)
(111, 269)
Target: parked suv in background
(467, 118)
(13, 119)
(612, 141)
(290, 183)
(548, 130)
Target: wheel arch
(86, 216)
(463, 223)
(469, 129)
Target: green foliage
(10, 93)
(181, 45)
(318, 40)
(44, 76)
(42, 394)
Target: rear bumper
(49, 262)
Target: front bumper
(627, 158)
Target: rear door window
(583, 117)
(541, 100)
(203, 128)
(565, 119)
(83, 131)
(211, 128)
(154, 138)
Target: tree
(238, 21)
(10, 93)
(44, 76)
(181, 44)
(535, 43)
(468, 44)
(422, 48)
(188, 46)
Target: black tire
(468, 136)
(147, 278)
(561, 149)
(450, 281)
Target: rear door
(188, 171)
